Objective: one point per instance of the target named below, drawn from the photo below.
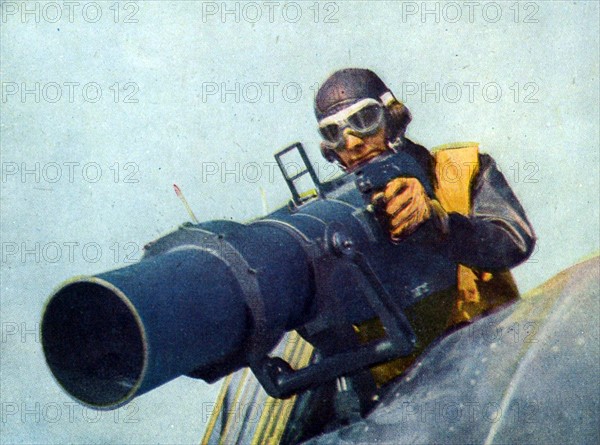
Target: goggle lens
(366, 118)
(331, 132)
(364, 121)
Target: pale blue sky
(177, 62)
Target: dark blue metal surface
(527, 374)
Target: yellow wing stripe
(276, 413)
(217, 409)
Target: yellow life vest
(456, 166)
(476, 292)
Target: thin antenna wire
(263, 196)
(185, 203)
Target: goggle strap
(387, 98)
(342, 115)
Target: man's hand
(406, 206)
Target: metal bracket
(298, 198)
(280, 380)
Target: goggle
(364, 117)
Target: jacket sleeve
(497, 234)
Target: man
(482, 225)
(477, 221)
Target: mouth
(364, 158)
(370, 155)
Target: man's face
(356, 133)
(357, 149)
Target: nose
(351, 139)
